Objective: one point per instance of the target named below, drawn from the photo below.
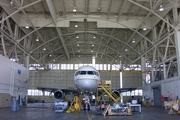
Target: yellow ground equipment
(106, 90)
(75, 105)
(175, 109)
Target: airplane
(86, 80)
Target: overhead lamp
(133, 41)
(161, 8)
(37, 39)
(44, 48)
(77, 44)
(11, 3)
(91, 50)
(27, 26)
(92, 44)
(74, 9)
(76, 25)
(98, 9)
(120, 56)
(50, 55)
(95, 26)
(54, 60)
(94, 36)
(77, 36)
(144, 28)
(79, 56)
(78, 50)
(126, 49)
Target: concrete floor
(40, 111)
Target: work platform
(104, 92)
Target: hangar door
(157, 96)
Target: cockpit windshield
(86, 72)
(82, 72)
(90, 72)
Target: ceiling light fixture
(161, 8)
(92, 44)
(11, 3)
(78, 50)
(77, 36)
(126, 49)
(133, 41)
(94, 36)
(50, 55)
(91, 50)
(44, 48)
(95, 26)
(144, 28)
(27, 26)
(74, 9)
(76, 25)
(98, 9)
(77, 44)
(37, 39)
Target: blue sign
(19, 71)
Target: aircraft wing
(120, 90)
(53, 90)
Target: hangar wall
(51, 79)
(13, 78)
(132, 79)
(168, 87)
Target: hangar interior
(43, 42)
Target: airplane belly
(87, 84)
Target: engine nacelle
(59, 94)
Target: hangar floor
(40, 111)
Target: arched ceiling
(116, 24)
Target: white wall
(52, 79)
(13, 78)
(168, 87)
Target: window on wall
(63, 66)
(133, 93)
(105, 66)
(34, 92)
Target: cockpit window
(82, 72)
(96, 73)
(86, 72)
(77, 73)
(90, 72)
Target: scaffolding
(104, 92)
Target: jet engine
(58, 94)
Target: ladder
(107, 90)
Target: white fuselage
(86, 78)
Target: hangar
(132, 43)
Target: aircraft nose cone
(87, 84)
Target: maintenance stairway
(105, 89)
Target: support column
(143, 62)
(177, 38)
(177, 41)
(2, 38)
(26, 64)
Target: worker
(102, 107)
